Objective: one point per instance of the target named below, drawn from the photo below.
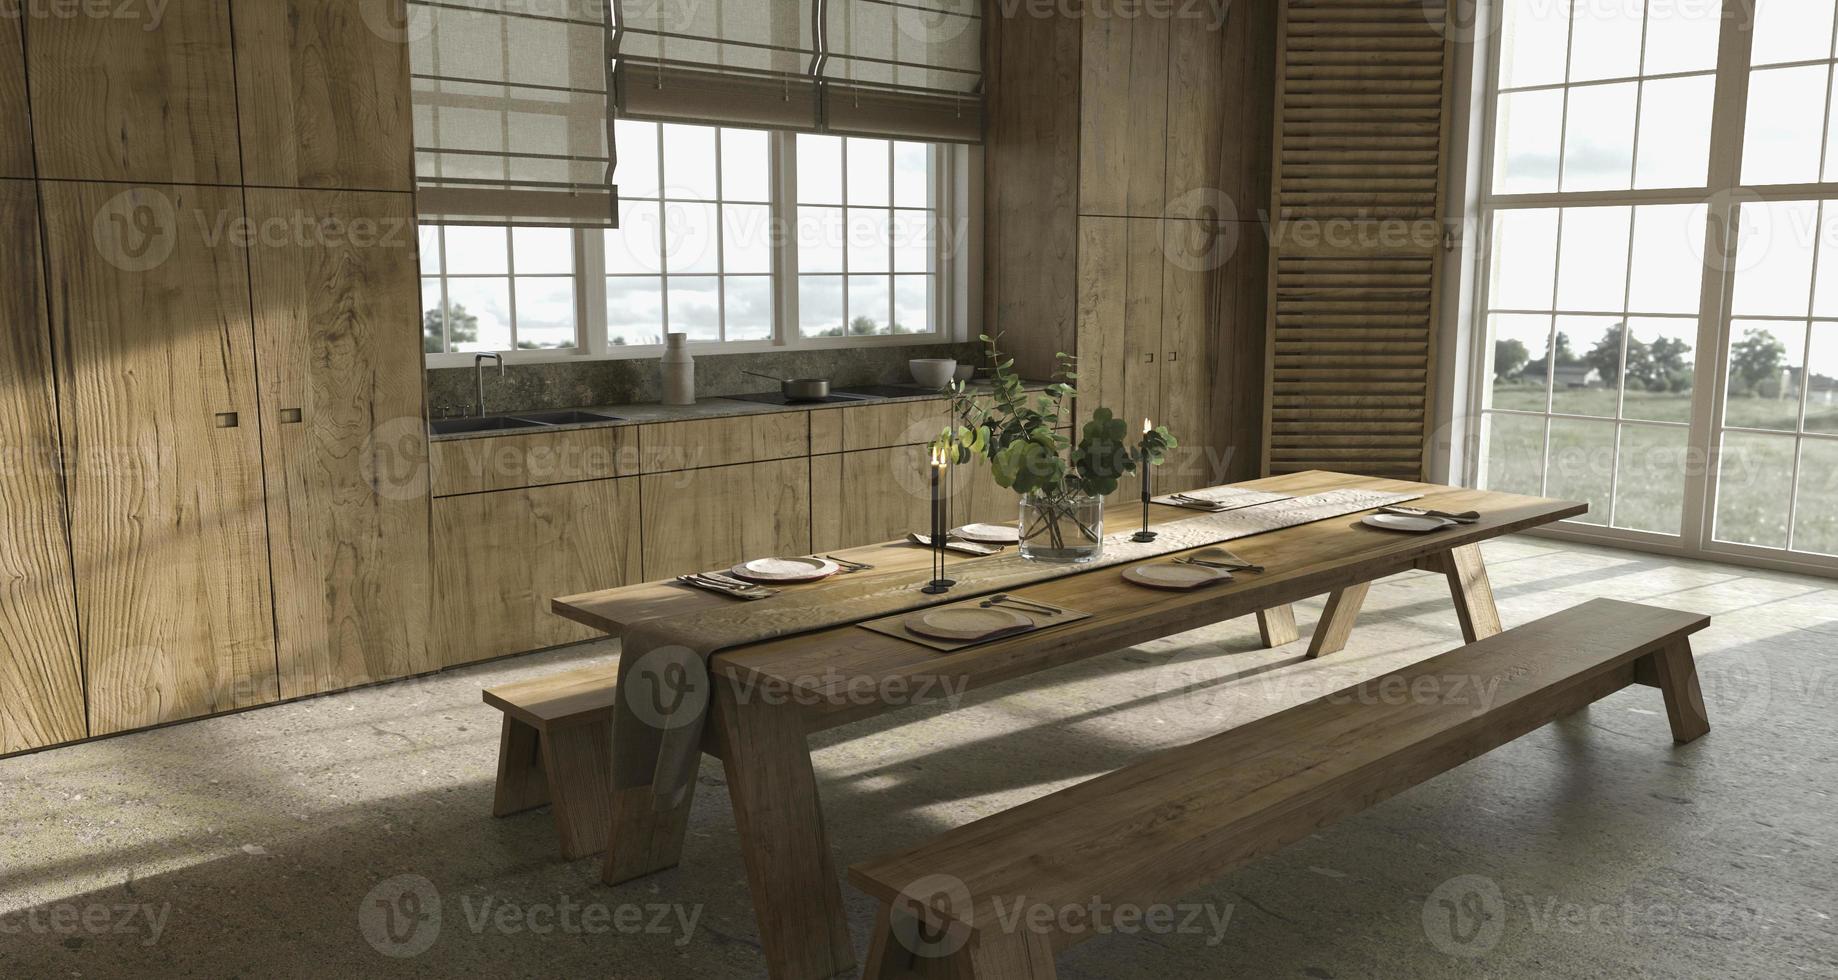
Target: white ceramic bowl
(933, 372)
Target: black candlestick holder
(1145, 535)
(941, 522)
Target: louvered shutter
(1361, 141)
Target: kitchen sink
(490, 423)
(565, 418)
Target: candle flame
(1147, 426)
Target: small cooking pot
(799, 389)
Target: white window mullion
(783, 209)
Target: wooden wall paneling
(698, 520)
(133, 99)
(1125, 134)
(1238, 356)
(15, 120)
(1194, 286)
(344, 436)
(1201, 99)
(1104, 280)
(324, 95)
(41, 671)
(500, 557)
(156, 358)
(533, 459)
(698, 443)
(1031, 159)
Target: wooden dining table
(768, 698)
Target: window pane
(912, 304)
(636, 245)
(1582, 465)
(870, 173)
(1605, 40)
(689, 238)
(1682, 37)
(749, 307)
(430, 250)
(636, 172)
(1675, 132)
(1667, 271)
(870, 305)
(1754, 481)
(1592, 266)
(870, 240)
(1791, 30)
(819, 169)
(1515, 454)
(1766, 359)
(689, 162)
(545, 313)
(912, 175)
(746, 237)
(1815, 521)
(1599, 138)
(820, 239)
(1526, 151)
(695, 307)
(1774, 258)
(1650, 489)
(543, 251)
(1521, 371)
(1534, 38)
(476, 251)
(912, 241)
(433, 325)
(1780, 143)
(820, 306)
(746, 165)
(1524, 259)
(1822, 380)
(1660, 359)
(1588, 374)
(634, 311)
(479, 314)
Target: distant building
(1578, 376)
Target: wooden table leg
(1277, 626)
(780, 822)
(642, 839)
(1472, 592)
(1336, 626)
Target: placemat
(895, 626)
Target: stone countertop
(706, 408)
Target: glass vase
(1064, 529)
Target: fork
(1466, 517)
(850, 566)
(1003, 597)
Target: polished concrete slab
(351, 836)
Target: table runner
(657, 725)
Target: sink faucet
(478, 372)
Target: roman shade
(910, 69)
(512, 122)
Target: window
(742, 239)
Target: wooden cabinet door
(41, 676)
(698, 520)
(1123, 116)
(500, 557)
(127, 98)
(150, 311)
(1195, 253)
(15, 124)
(324, 94)
(344, 439)
(1120, 322)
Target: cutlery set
(722, 584)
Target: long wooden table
(770, 696)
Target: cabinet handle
(290, 416)
(1148, 358)
(1174, 355)
(227, 420)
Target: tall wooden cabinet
(41, 687)
(15, 123)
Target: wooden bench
(557, 748)
(983, 900)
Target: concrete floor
(270, 844)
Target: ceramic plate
(989, 533)
(785, 569)
(1173, 576)
(1404, 522)
(965, 623)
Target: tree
(1671, 371)
(1564, 352)
(1756, 359)
(462, 328)
(1605, 357)
(1509, 358)
(863, 326)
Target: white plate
(1405, 522)
(785, 569)
(1172, 576)
(989, 533)
(965, 622)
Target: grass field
(1655, 461)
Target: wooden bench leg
(1677, 674)
(1277, 626)
(521, 784)
(1336, 626)
(578, 760)
(1019, 955)
(1472, 593)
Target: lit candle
(1145, 535)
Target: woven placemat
(895, 626)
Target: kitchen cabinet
(500, 557)
(118, 98)
(15, 123)
(697, 520)
(344, 439)
(155, 355)
(41, 681)
(902, 423)
(534, 459)
(699, 443)
(876, 495)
